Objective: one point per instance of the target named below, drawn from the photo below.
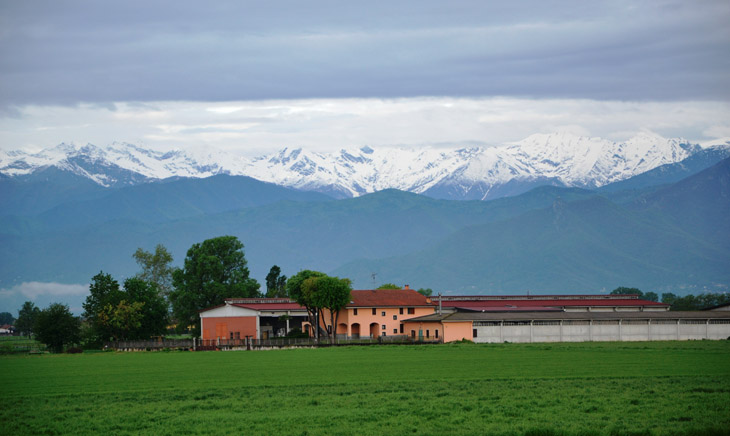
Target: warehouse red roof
(388, 297)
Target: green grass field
(660, 388)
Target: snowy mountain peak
(476, 172)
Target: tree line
(160, 295)
(678, 303)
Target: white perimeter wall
(600, 330)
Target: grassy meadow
(658, 388)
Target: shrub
(74, 350)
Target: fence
(258, 344)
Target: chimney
(406, 287)
(439, 303)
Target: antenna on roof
(373, 276)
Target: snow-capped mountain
(471, 173)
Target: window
(329, 329)
(401, 329)
(383, 334)
(413, 333)
(374, 312)
(411, 311)
(436, 334)
(231, 335)
(400, 311)
(382, 313)
(428, 333)
(383, 327)
(395, 317)
(395, 331)
(474, 333)
(354, 311)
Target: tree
(27, 316)
(6, 318)
(156, 267)
(692, 302)
(296, 291)
(651, 296)
(214, 270)
(426, 292)
(154, 309)
(121, 320)
(388, 286)
(103, 291)
(621, 290)
(331, 293)
(275, 283)
(56, 327)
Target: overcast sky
(255, 76)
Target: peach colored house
(379, 312)
(435, 328)
(370, 313)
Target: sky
(253, 77)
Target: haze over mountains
(649, 213)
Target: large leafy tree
(275, 283)
(214, 270)
(153, 311)
(27, 316)
(156, 267)
(297, 292)
(57, 327)
(331, 293)
(103, 292)
(136, 312)
(6, 318)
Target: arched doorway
(341, 331)
(374, 330)
(355, 331)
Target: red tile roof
(270, 306)
(551, 303)
(388, 298)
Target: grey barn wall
(600, 330)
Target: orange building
(370, 313)
(379, 312)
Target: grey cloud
(70, 52)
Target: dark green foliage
(621, 290)
(425, 291)
(103, 291)
(695, 302)
(275, 283)
(214, 270)
(27, 316)
(56, 327)
(330, 293)
(138, 311)
(6, 318)
(154, 312)
(389, 286)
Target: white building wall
(603, 330)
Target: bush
(297, 333)
(74, 350)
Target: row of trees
(687, 302)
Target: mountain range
(664, 229)
(478, 173)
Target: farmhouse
(370, 313)
(521, 318)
